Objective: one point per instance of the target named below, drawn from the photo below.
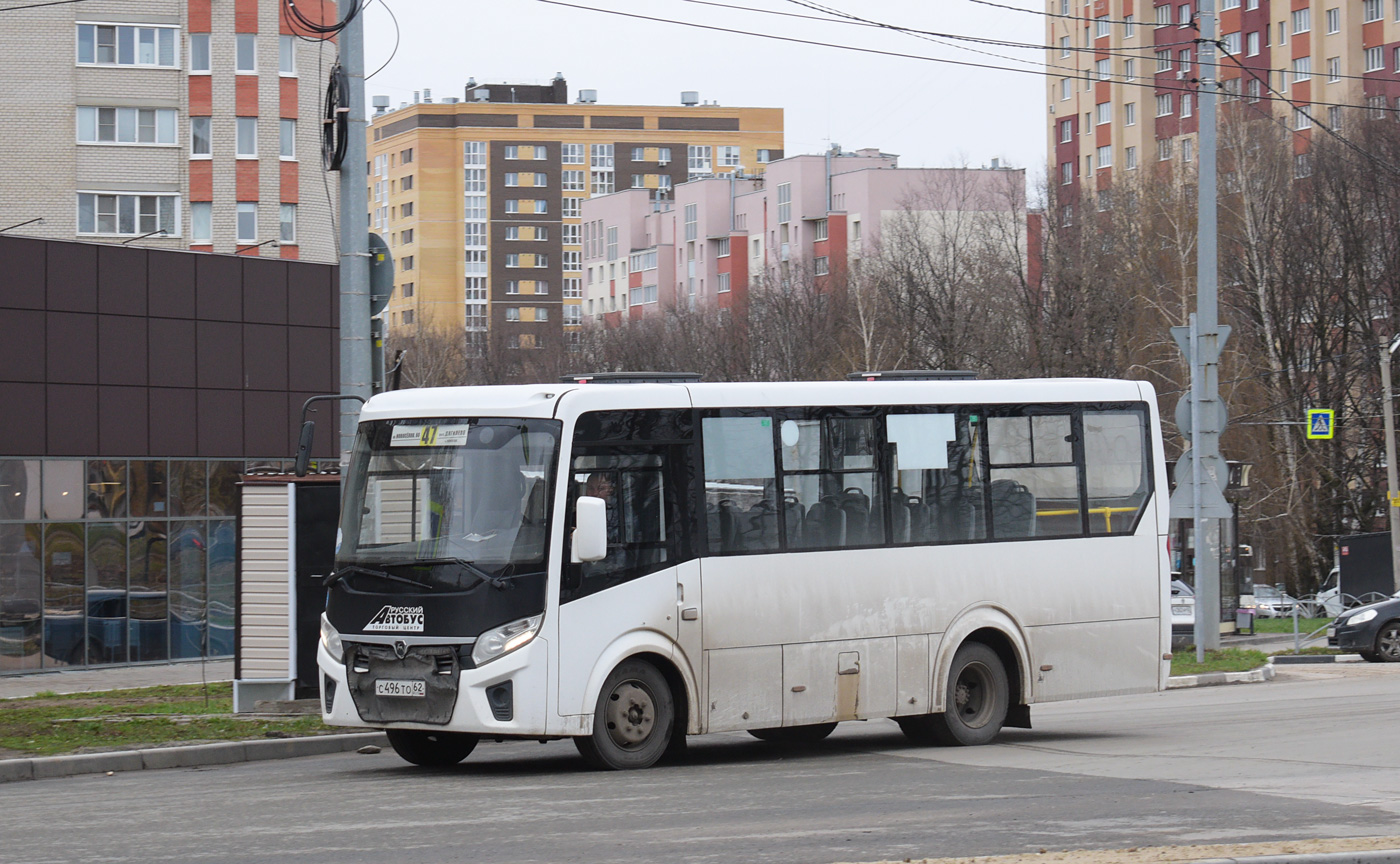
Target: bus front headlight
(330, 638)
(505, 639)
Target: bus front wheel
(633, 722)
(976, 703)
(431, 749)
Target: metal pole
(1206, 443)
(1392, 487)
(354, 238)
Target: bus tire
(431, 749)
(977, 702)
(809, 734)
(634, 721)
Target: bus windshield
(467, 492)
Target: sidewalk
(115, 678)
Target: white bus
(628, 563)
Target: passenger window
(1115, 463)
(742, 507)
(938, 492)
(831, 490)
(1034, 490)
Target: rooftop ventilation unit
(481, 94)
(427, 96)
(690, 97)
(588, 97)
(380, 103)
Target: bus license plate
(394, 687)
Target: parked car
(1271, 602)
(1183, 611)
(1373, 631)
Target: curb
(1288, 659)
(190, 756)
(1209, 679)
(1377, 856)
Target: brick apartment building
(481, 198)
(197, 118)
(719, 237)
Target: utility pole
(354, 238)
(1392, 486)
(1200, 495)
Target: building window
(1186, 104)
(1164, 60)
(247, 143)
(572, 181)
(722, 244)
(698, 159)
(512, 287)
(1375, 59)
(1164, 149)
(784, 202)
(601, 183)
(822, 265)
(1066, 173)
(245, 53)
(1230, 43)
(1302, 166)
(1302, 69)
(1130, 114)
(408, 316)
(1102, 69)
(1164, 16)
(600, 157)
(406, 156)
(1183, 59)
(1302, 19)
(201, 221)
(1064, 47)
(287, 223)
(287, 55)
(571, 208)
(1334, 117)
(1371, 10)
(729, 156)
(247, 227)
(692, 226)
(405, 236)
(722, 287)
(572, 154)
(1188, 150)
(1334, 69)
(201, 144)
(573, 288)
(1164, 104)
(1334, 20)
(1252, 44)
(512, 313)
(406, 290)
(512, 179)
(406, 263)
(569, 234)
(1183, 16)
(639, 181)
(1104, 156)
(126, 125)
(1103, 113)
(127, 215)
(199, 53)
(116, 45)
(541, 286)
(287, 133)
(473, 153)
(1066, 131)
(512, 205)
(1130, 70)
(1129, 158)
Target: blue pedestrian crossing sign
(1321, 423)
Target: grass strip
(1223, 660)
(49, 724)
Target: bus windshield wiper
(378, 574)
(499, 581)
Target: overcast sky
(931, 114)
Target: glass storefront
(115, 561)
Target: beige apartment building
(1123, 75)
(480, 198)
(178, 124)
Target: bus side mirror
(308, 434)
(590, 542)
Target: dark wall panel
(72, 420)
(171, 352)
(172, 423)
(121, 350)
(23, 285)
(266, 424)
(22, 353)
(264, 357)
(265, 291)
(72, 277)
(220, 423)
(121, 280)
(219, 349)
(23, 424)
(171, 285)
(309, 361)
(123, 418)
(72, 348)
(219, 288)
(311, 297)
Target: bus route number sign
(454, 435)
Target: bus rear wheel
(976, 703)
(431, 749)
(795, 734)
(633, 722)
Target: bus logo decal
(397, 619)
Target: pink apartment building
(720, 237)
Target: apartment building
(808, 216)
(1123, 75)
(181, 124)
(480, 198)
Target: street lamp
(159, 232)
(238, 249)
(1392, 484)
